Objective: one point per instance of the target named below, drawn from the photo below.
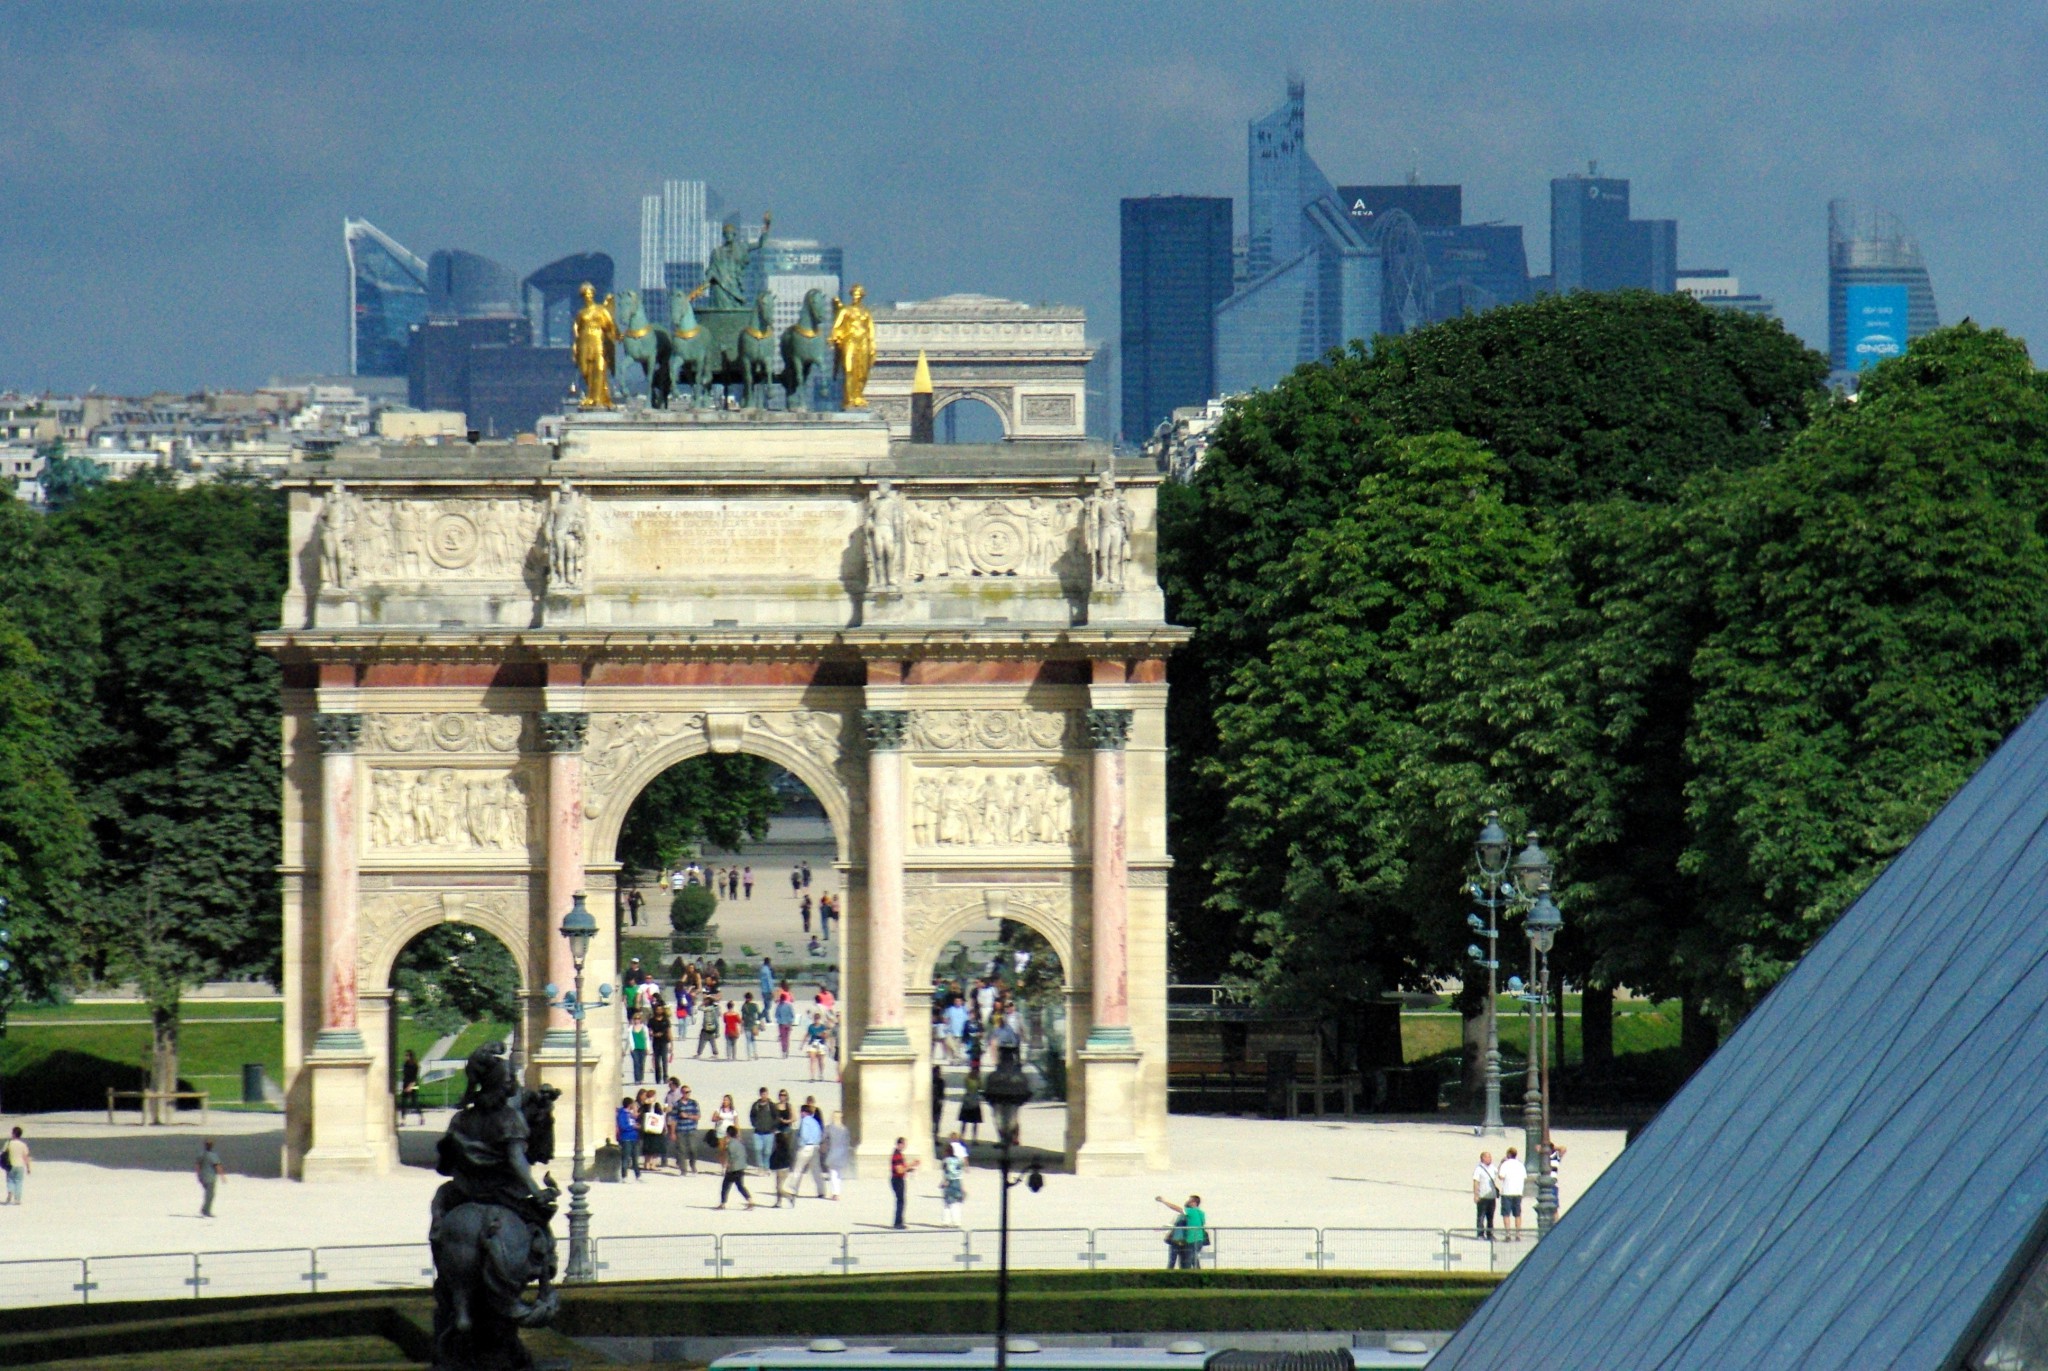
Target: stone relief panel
(817, 732)
(615, 740)
(992, 730)
(382, 915)
(410, 540)
(1048, 409)
(956, 538)
(449, 809)
(470, 731)
(1013, 806)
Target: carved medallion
(474, 731)
(452, 541)
(990, 730)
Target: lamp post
(1532, 869)
(1542, 925)
(579, 926)
(1490, 849)
(1006, 1092)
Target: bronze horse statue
(807, 350)
(758, 351)
(646, 345)
(692, 350)
(491, 1233)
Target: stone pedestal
(345, 1143)
(887, 1107)
(1110, 1146)
(555, 1065)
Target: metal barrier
(640, 1257)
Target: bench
(145, 1098)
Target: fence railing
(639, 1257)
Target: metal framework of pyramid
(1859, 1177)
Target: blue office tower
(1595, 245)
(387, 295)
(1176, 269)
(1879, 295)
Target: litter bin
(252, 1083)
(604, 1163)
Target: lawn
(1639, 1026)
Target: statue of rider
(725, 275)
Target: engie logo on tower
(1877, 325)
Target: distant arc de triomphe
(1028, 363)
(489, 651)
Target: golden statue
(596, 332)
(853, 334)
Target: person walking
(15, 1158)
(785, 1017)
(837, 1152)
(814, 1045)
(747, 881)
(636, 1039)
(211, 1174)
(1485, 1191)
(810, 1136)
(750, 1024)
(781, 1162)
(689, 1117)
(803, 913)
(1512, 1179)
(900, 1168)
(970, 1104)
(733, 1154)
(938, 1101)
(1189, 1236)
(660, 1039)
(732, 1031)
(653, 1131)
(727, 1115)
(953, 1187)
(409, 1087)
(761, 1118)
(796, 879)
(707, 1028)
(766, 977)
(807, 874)
(626, 1127)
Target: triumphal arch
(489, 650)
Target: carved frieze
(449, 809)
(409, 540)
(997, 806)
(991, 730)
(957, 538)
(611, 743)
(812, 731)
(457, 732)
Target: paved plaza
(100, 1190)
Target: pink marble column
(561, 737)
(1109, 899)
(338, 734)
(885, 729)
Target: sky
(174, 176)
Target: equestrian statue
(692, 351)
(491, 1233)
(646, 345)
(759, 352)
(807, 349)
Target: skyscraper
(1879, 295)
(1314, 278)
(387, 295)
(552, 295)
(1175, 271)
(1472, 267)
(1595, 245)
(790, 267)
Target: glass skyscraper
(1175, 271)
(552, 295)
(1879, 295)
(387, 295)
(1595, 245)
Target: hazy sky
(173, 176)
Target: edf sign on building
(1877, 324)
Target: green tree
(45, 845)
(726, 799)
(454, 976)
(65, 477)
(1342, 843)
(181, 774)
(1880, 598)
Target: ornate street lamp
(1007, 1091)
(1542, 925)
(1490, 850)
(579, 926)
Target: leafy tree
(1880, 605)
(181, 774)
(65, 477)
(454, 976)
(1572, 698)
(692, 909)
(1341, 844)
(45, 845)
(726, 799)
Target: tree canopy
(726, 799)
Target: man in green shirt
(1189, 1236)
(210, 1173)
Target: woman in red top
(732, 1031)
